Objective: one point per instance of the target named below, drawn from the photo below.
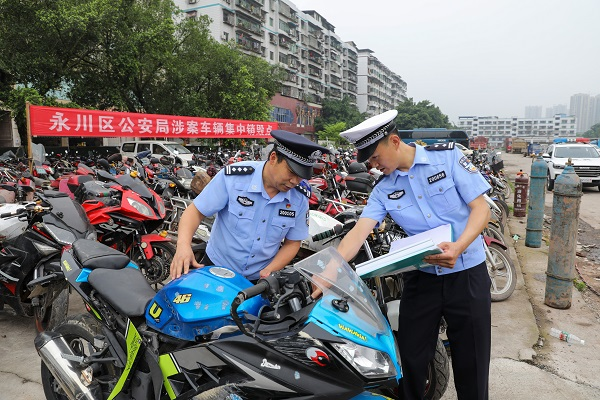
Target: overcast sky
(478, 57)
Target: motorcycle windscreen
(338, 281)
(73, 223)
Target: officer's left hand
(451, 252)
(265, 272)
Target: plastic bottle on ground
(567, 337)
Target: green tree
(593, 132)
(331, 133)
(130, 55)
(335, 111)
(423, 114)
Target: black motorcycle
(30, 275)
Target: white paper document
(407, 254)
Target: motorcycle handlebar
(13, 213)
(336, 230)
(262, 286)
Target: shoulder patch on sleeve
(440, 146)
(238, 170)
(304, 188)
(467, 165)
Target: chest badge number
(396, 195)
(434, 178)
(246, 202)
(287, 213)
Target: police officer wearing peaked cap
(423, 188)
(257, 205)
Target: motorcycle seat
(95, 255)
(125, 289)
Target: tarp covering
(55, 121)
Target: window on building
(283, 115)
(271, 21)
(271, 55)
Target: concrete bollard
(563, 239)
(537, 196)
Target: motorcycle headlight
(161, 206)
(371, 363)
(142, 208)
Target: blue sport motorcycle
(211, 334)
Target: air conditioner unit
(192, 1)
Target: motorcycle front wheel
(502, 272)
(157, 269)
(79, 331)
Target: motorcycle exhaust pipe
(55, 353)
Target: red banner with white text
(55, 121)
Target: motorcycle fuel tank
(198, 303)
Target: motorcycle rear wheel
(159, 266)
(53, 313)
(78, 331)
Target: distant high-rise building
(541, 130)
(533, 112)
(319, 64)
(556, 109)
(580, 107)
(595, 114)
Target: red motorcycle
(125, 213)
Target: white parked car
(584, 157)
(465, 151)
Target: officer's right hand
(182, 260)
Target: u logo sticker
(155, 311)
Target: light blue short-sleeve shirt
(250, 226)
(435, 191)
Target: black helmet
(357, 167)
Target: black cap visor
(303, 171)
(364, 154)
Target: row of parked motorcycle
(103, 231)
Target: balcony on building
(316, 72)
(315, 85)
(290, 91)
(251, 8)
(289, 30)
(334, 93)
(247, 42)
(336, 44)
(288, 12)
(335, 80)
(249, 26)
(228, 18)
(352, 55)
(315, 58)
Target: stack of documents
(406, 254)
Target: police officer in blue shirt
(422, 188)
(258, 204)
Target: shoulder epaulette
(238, 170)
(440, 146)
(304, 188)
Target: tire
(504, 211)
(55, 313)
(502, 272)
(549, 183)
(438, 372)
(78, 331)
(159, 266)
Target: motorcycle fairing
(198, 303)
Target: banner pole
(29, 149)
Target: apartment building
(536, 129)
(319, 64)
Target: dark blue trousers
(463, 299)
